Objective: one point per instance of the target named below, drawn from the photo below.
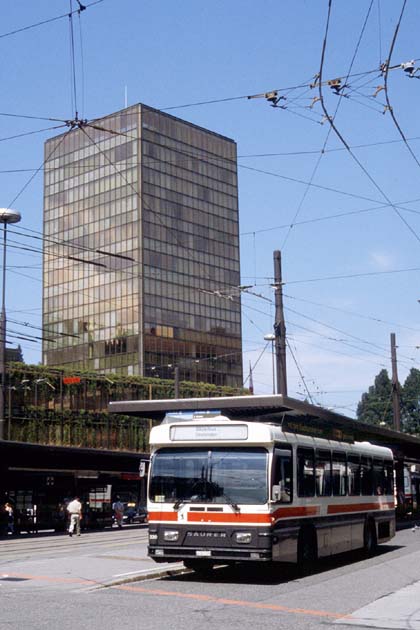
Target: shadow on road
(279, 573)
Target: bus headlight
(243, 537)
(170, 535)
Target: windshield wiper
(235, 507)
(178, 503)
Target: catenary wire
(355, 314)
(38, 170)
(318, 162)
(386, 73)
(339, 135)
(48, 21)
(299, 370)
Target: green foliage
(375, 406)
(44, 410)
(410, 403)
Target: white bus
(224, 490)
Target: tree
(375, 406)
(410, 403)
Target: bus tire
(201, 567)
(307, 553)
(369, 538)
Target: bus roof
(215, 430)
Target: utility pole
(279, 327)
(6, 216)
(395, 386)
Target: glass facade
(141, 249)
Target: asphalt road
(105, 581)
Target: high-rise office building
(141, 249)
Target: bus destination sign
(204, 432)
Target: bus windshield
(209, 475)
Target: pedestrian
(118, 508)
(74, 508)
(10, 519)
(4, 520)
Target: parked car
(135, 514)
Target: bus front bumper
(201, 542)
(174, 554)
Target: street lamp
(272, 337)
(6, 216)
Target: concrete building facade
(141, 249)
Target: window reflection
(185, 223)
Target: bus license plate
(203, 553)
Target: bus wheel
(201, 567)
(307, 551)
(369, 538)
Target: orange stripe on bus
(359, 507)
(162, 516)
(303, 510)
(194, 517)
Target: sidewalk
(92, 560)
(395, 611)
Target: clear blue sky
(170, 54)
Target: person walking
(11, 518)
(74, 508)
(118, 508)
(4, 520)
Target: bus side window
(339, 471)
(366, 476)
(323, 473)
(305, 472)
(353, 469)
(282, 487)
(378, 477)
(389, 477)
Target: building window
(116, 346)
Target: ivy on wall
(42, 408)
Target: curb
(152, 574)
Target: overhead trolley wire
(329, 338)
(339, 135)
(30, 117)
(387, 64)
(38, 169)
(48, 21)
(333, 339)
(353, 275)
(302, 378)
(350, 335)
(329, 217)
(306, 84)
(28, 133)
(318, 162)
(73, 64)
(354, 313)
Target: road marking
(233, 602)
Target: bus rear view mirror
(143, 468)
(276, 493)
